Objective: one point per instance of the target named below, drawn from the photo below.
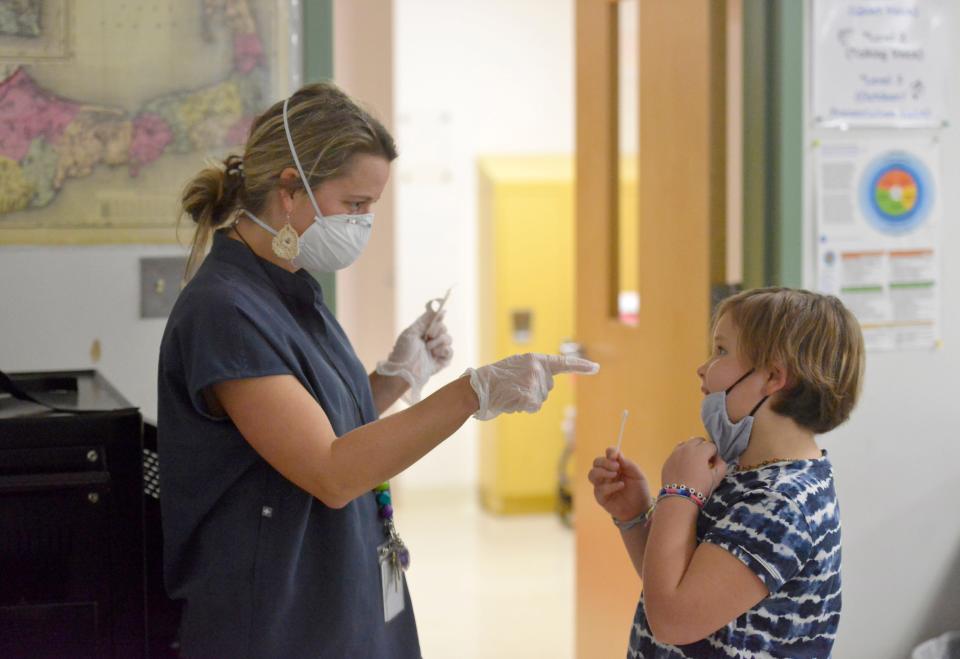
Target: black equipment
(75, 575)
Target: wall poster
(878, 214)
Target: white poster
(879, 63)
(878, 217)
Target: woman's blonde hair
(327, 127)
(814, 338)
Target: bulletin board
(879, 63)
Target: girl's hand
(619, 486)
(695, 463)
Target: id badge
(391, 580)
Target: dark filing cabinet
(73, 573)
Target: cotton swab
(440, 302)
(623, 422)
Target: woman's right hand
(619, 486)
(521, 383)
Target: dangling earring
(286, 244)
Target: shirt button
(267, 511)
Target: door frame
(647, 368)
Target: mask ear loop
(296, 159)
(757, 406)
(742, 378)
(286, 242)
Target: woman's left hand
(695, 463)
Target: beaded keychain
(394, 550)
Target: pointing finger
(565, 364)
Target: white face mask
(332, 242)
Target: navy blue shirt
(265, 569)
(783, 522)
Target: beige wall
(363, 66)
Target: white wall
(898, 460)
(56, 301)
(471, 77)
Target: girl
(740, 551)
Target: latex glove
(521, 383)
(420, 351)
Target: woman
(276, 512)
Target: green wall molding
(318, 65)
(317, 40)
(773, 102)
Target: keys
(391, 575)
(394, 551)
(397, 570)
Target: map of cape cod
(51, 141)
(20, 18)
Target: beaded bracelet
(681, 490)
(639, 519)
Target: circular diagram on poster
(896, 193)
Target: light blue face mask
(731, 438)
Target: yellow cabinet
(526, 289)
(526, 305)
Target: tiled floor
(486, 586)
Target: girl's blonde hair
(814, 338)
(327, 127)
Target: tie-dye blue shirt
(783, 522)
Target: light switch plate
(160, 280)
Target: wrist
(469, 401)
(645, 504)
(697, 484)
(640, 520)
(683, 491)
